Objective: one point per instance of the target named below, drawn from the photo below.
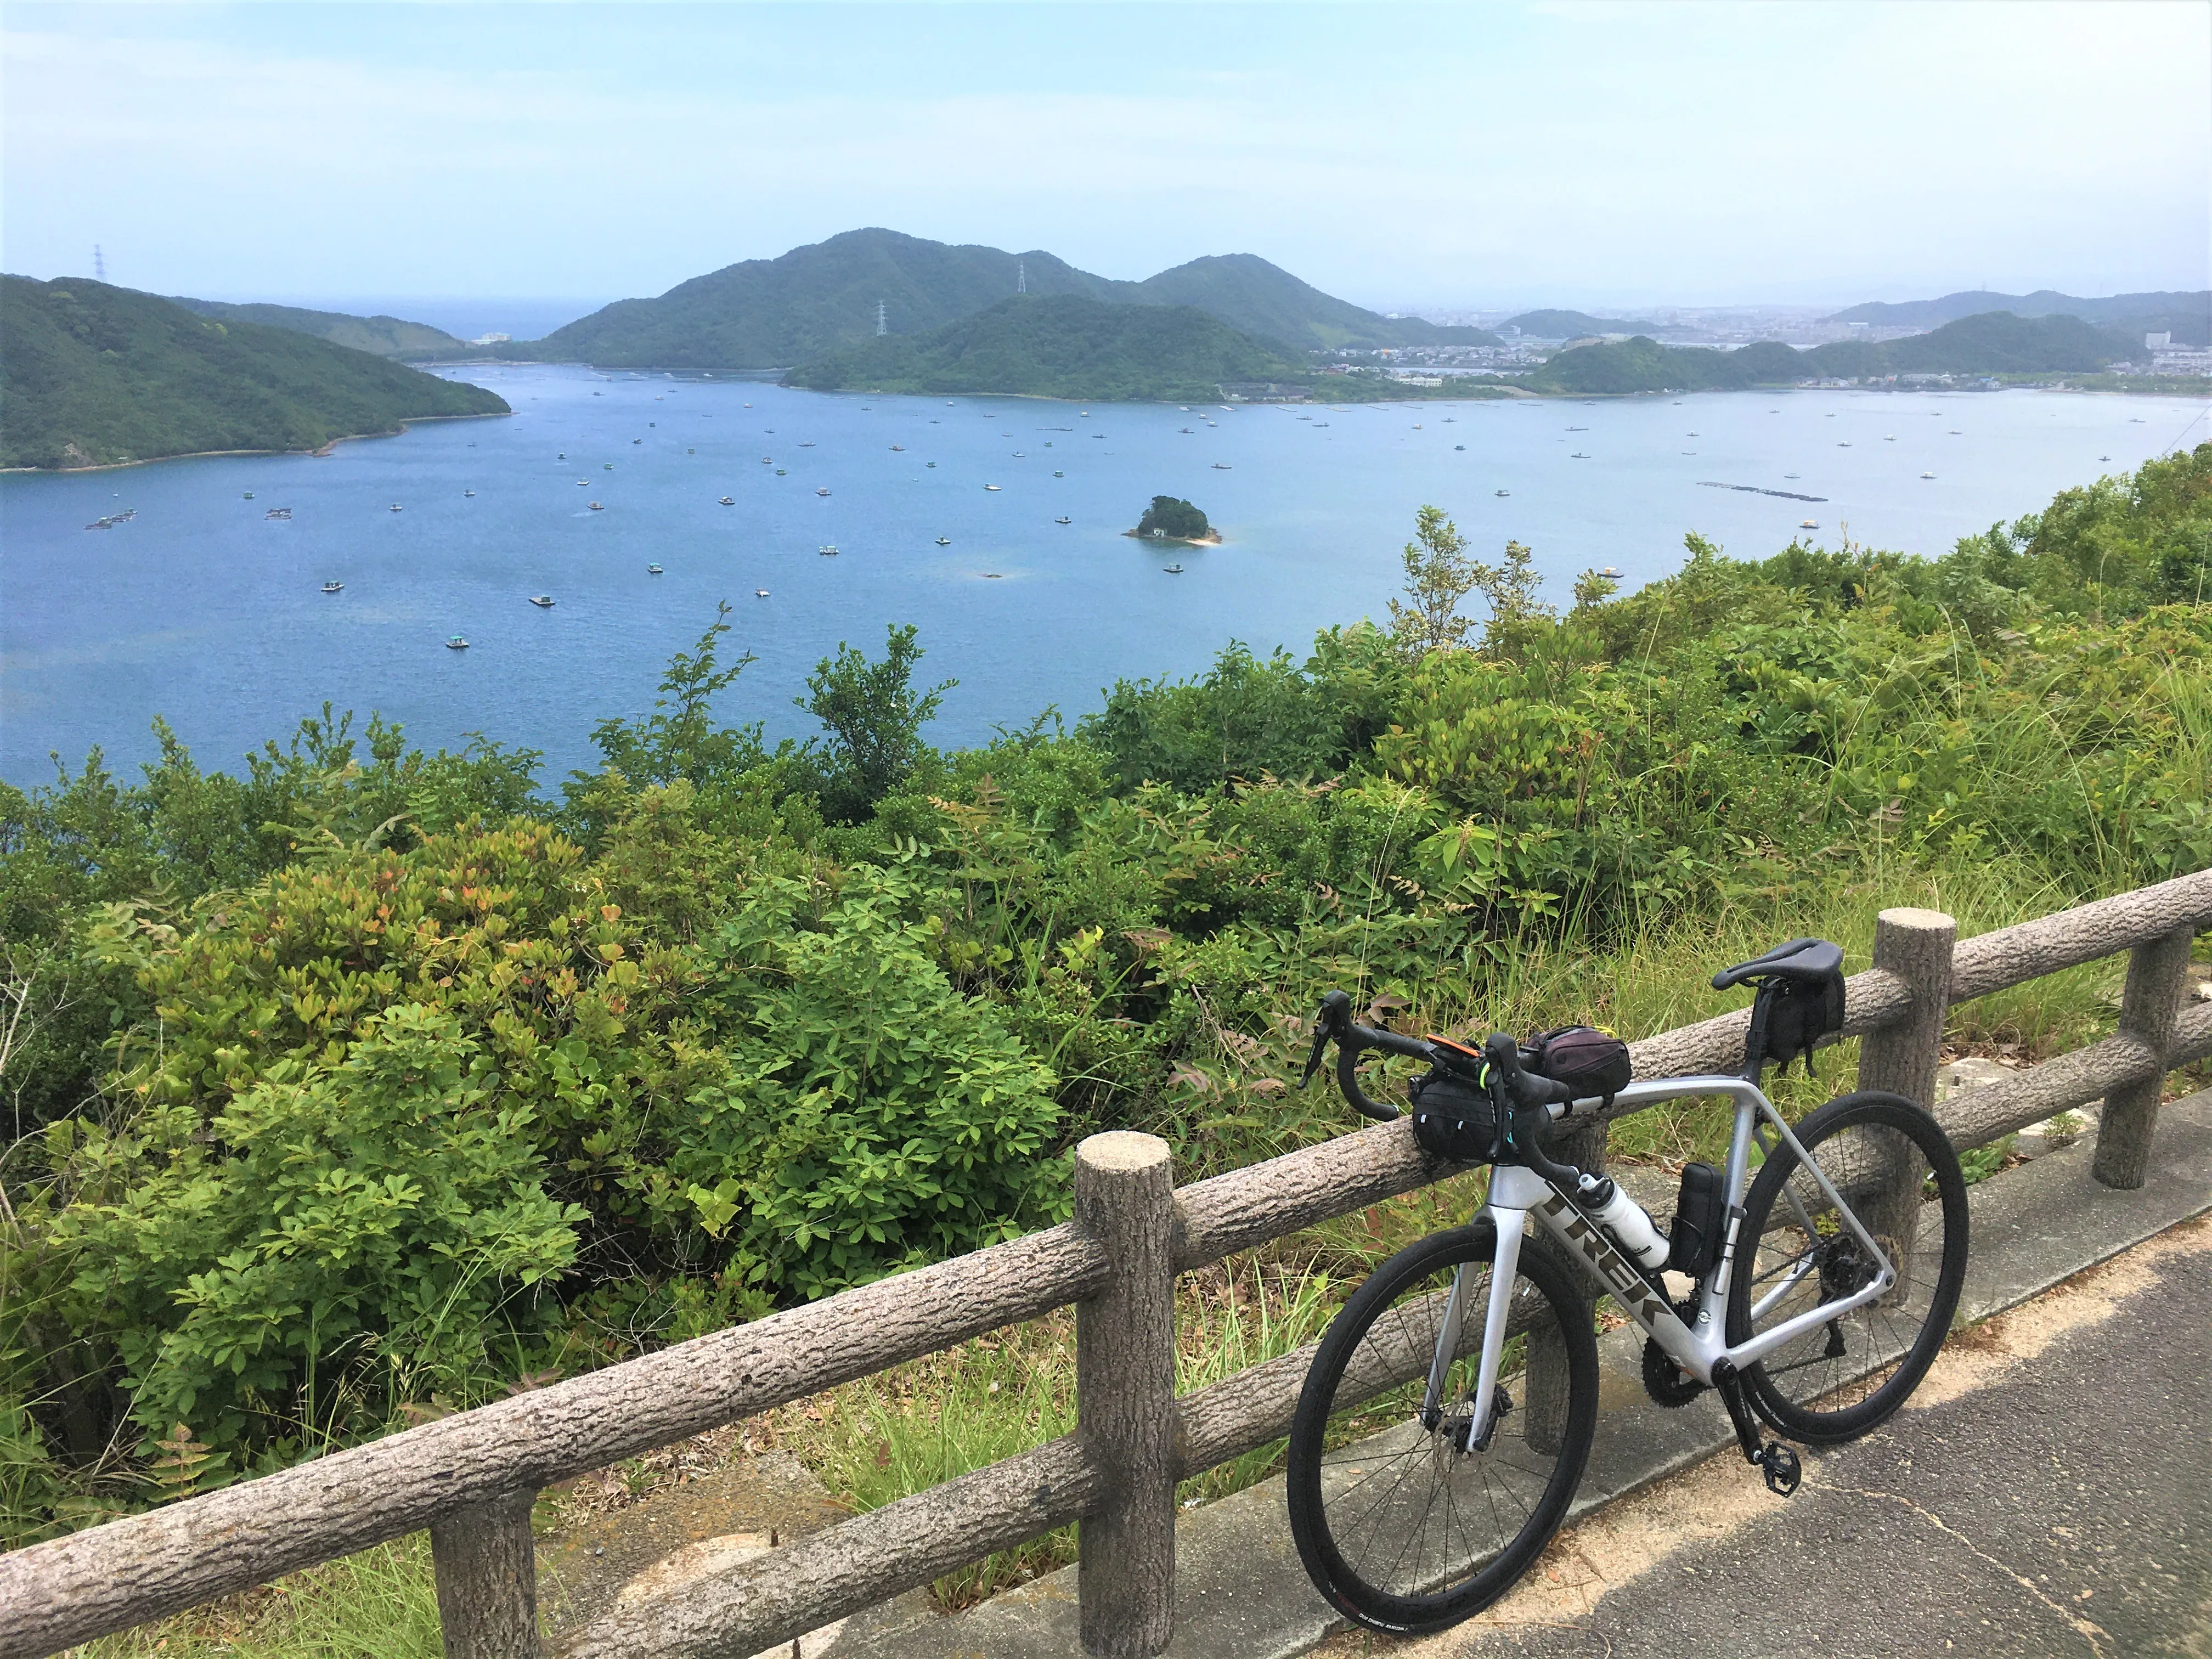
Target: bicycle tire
(1345, 1437)
(1825, 1386)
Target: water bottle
(1624, 1218)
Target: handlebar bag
(1453, 1119)
(1593, 1063)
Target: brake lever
(1332, 1020)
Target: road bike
(1451, 1405)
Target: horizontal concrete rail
(1999, 960)
(110, 1577)
(1974, 1117)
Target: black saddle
(1799, 961)
(1801, 1000)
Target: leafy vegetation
(1995, 343)
(1060, 347)
(95, 375)
(369, 1082)
(381, 336)
(1168, 515)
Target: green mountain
(1062, 345)
(2000, 342)
(821, 298)
(1255, 297)
(1995, 343)
(2187, 316)
(384, 337)
(1567, 325)
(94, 374)
(1641, 364)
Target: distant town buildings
(491, 339)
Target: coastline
(206, 454)
(1212, 538)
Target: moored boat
(991, 487)
(1063, 519)
(728, 502)
(653, 570)
(828, 549)
(595, 506)
(1808, 524)
(456, 643)
(543, 601)
(945, 540)
(1171, 569)
(760, 593)
(822, 489)
(333, 587)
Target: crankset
(1668, 1383)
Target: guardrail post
(1125, 1359)
(1544, 1422)
(487, 1574)
(2158, 972)
(1903, 1058)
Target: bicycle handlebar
(1499, 1050)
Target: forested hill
(1995, 342)
(1250, 294)
(96, 374)
(772, 314)
(1566, 324)
(2187, 316)
(1060, 346)
(384, 337)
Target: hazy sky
(1579, 153)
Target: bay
(202, 609)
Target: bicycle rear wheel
(1896, 1169)
(1399, 1527)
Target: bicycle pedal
(1781, 1467)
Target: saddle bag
(1799, 1013)
(1591, 1062)
(1453, 1119)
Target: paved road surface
(2048, 1492)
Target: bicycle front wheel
(1894, 1166)
(1402, 1524)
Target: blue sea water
(202, 610)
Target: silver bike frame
(1517, 1194)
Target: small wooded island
(1171, 520)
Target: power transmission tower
(1020, 275)
(99, 264)
(882, 326)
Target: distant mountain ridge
(824, 298)
(2187, 316)
(1991, 342)
(1567, 325)
(95, 375)
(383, 337)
